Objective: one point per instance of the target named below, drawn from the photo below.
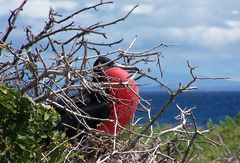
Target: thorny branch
(43, 68)
(11, 22)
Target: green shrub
(227, 133)
(24, 126)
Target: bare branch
(47, 69)
(11, 21)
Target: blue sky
(205, 32)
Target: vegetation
(225, 137)
(25, 127)
(227, 134)
(29, 79)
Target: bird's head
(105, 62)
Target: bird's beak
(130, 68)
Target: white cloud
(221, 36)
(235, 12)
(204, 36)
(233, 23)
(40, 8)
(200, 23)
(7, 5)
(109, 6)
(209, 36)
(142, 9)
(36, 8)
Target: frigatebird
(119, 105)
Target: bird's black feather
(88, 103)
(90, 107)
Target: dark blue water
(209, 105)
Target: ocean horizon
(208, 105)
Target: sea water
(209, 105)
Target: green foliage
(24, 126)
(227, 133)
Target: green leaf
(28, 99)
(23, 147)
(4, 91)
(21, 137)
(46, 116)
(23, 126)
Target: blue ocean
(214, 106)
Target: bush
(24, 126)
(227, 134)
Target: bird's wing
(97, 110)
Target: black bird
(95, 105)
